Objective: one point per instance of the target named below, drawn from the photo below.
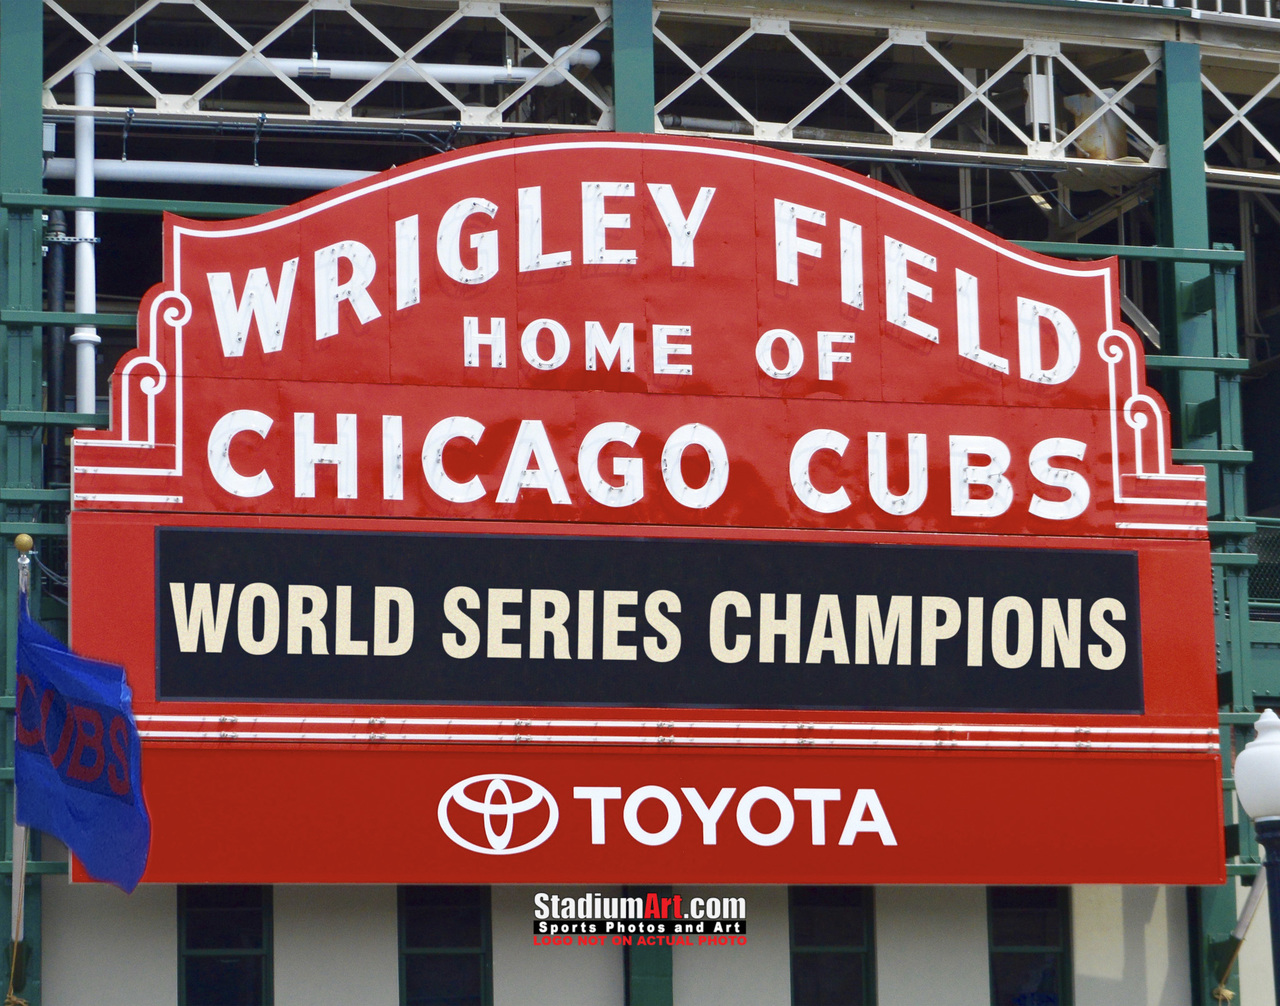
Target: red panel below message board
(372, 815)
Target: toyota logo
(498, 802)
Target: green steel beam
(21, 231)
(1068, 249)
(32, 417)
(36, 866)
(1195, 457)
(633, 66)
(1241, 559)
(1216, 363)
(35, 496)
(1194, 309)
(116, 204)
(10, 316)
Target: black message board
(523, 620)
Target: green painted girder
(35, 417)
(14, 317)
(1222, 364)
(1149, 253)
(116, 204)
(1233, 559)
(36, 866)
(633, 97)
(1187, 455)
(54, 530)
(35, 496)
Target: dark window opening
(224, 945)
(1030, 941)
(832, 946)
(445, 957)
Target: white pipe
(197, 173)
(85, 338)
(340, 69)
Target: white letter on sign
(597, 795)
(1061, 478)
(818, 800)
(681, 228)
(532, 257)
(1029, 314)
(595, 222)
(271, 312)
(801, 481)
(631, 815)
(433, 459)
(220, 437)
(307, 454)
(630, 470)
(790, 246)
(330, 293)
(899, 287)
(673, 455)
(559, 339)
(991, 475)
(764, 353)
(709, 816)
(532, 444)
(866, 802)
(786, 815)
(449, 241)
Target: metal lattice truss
(1242, 110)
(1023, 99)
(830, 81)
(498, 95)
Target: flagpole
(17, 923)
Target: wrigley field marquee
(629, 507)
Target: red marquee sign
(640, 509)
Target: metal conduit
(85, 338)
(205, 173)
(340, 69)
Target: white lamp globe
(1258, 770)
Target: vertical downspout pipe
(85, 338)
(56, 472)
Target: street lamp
(1257, 774)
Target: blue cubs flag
(77, 757)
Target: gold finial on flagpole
(24, 543)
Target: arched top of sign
(643, 331)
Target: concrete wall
(526, 974)
(931, 946)
(1130, 945)
(335, 944)
(1257, 979)
(758, 973)
(106, 948)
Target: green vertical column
(21, 52)
(1184, 223)
(633, 66)
(1188, 323)
(648, 969)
